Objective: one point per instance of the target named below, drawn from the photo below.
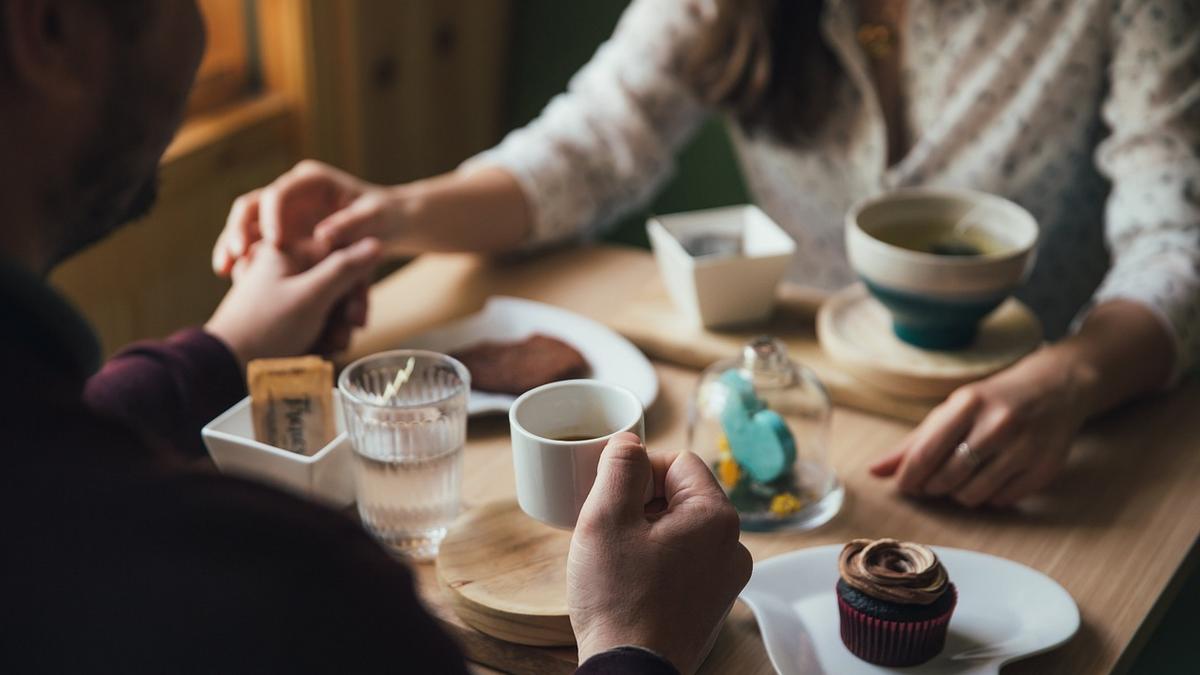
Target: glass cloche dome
(761, 422)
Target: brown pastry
(516, 367)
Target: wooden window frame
(298, 90)
(225, 72)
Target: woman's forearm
(1120, 352)
(484, 211)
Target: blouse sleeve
(1152, 158)
(604, 147)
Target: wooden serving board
(651, 321)
(505, 574)
(856, 332)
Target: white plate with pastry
(609, 357)
(1006, 611)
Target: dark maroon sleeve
(627, 661)
(167, 390)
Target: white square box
(715, 291)
(327, 476)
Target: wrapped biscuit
(291, 401)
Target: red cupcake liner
(894, 643)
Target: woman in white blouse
(1087, 113)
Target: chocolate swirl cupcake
(895, 601)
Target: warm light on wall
(227, 72)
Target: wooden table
(1117, 529)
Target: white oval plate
(612, 358)
(1006, 611)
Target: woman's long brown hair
(764, 62)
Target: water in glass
(408, 447)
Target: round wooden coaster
(505, 574)
(856, 331)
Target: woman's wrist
(1079, 377)
(1120, 352)
(483, 211)
(405, 212)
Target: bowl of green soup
(940, 260)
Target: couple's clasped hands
(313, 205)
(301, 252)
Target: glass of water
(408, 435)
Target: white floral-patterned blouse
(1085, 112)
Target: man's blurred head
(91, 92)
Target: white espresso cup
(558, 432)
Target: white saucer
(612, 358)
(1006, 611)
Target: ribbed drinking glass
(408, 445)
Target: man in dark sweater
(123, 552)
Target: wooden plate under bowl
(505, 574)
(856, 331)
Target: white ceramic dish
(612, 358)
(1006, 611)
(715, 291)
(326, 476)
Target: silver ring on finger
(969, 455)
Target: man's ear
(55, 47)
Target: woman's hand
(313, 201)
(483, 210)
(996, 441)
(999, 440)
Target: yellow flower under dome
(785, 504)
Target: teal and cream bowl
(937, 301)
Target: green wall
(551, 40)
